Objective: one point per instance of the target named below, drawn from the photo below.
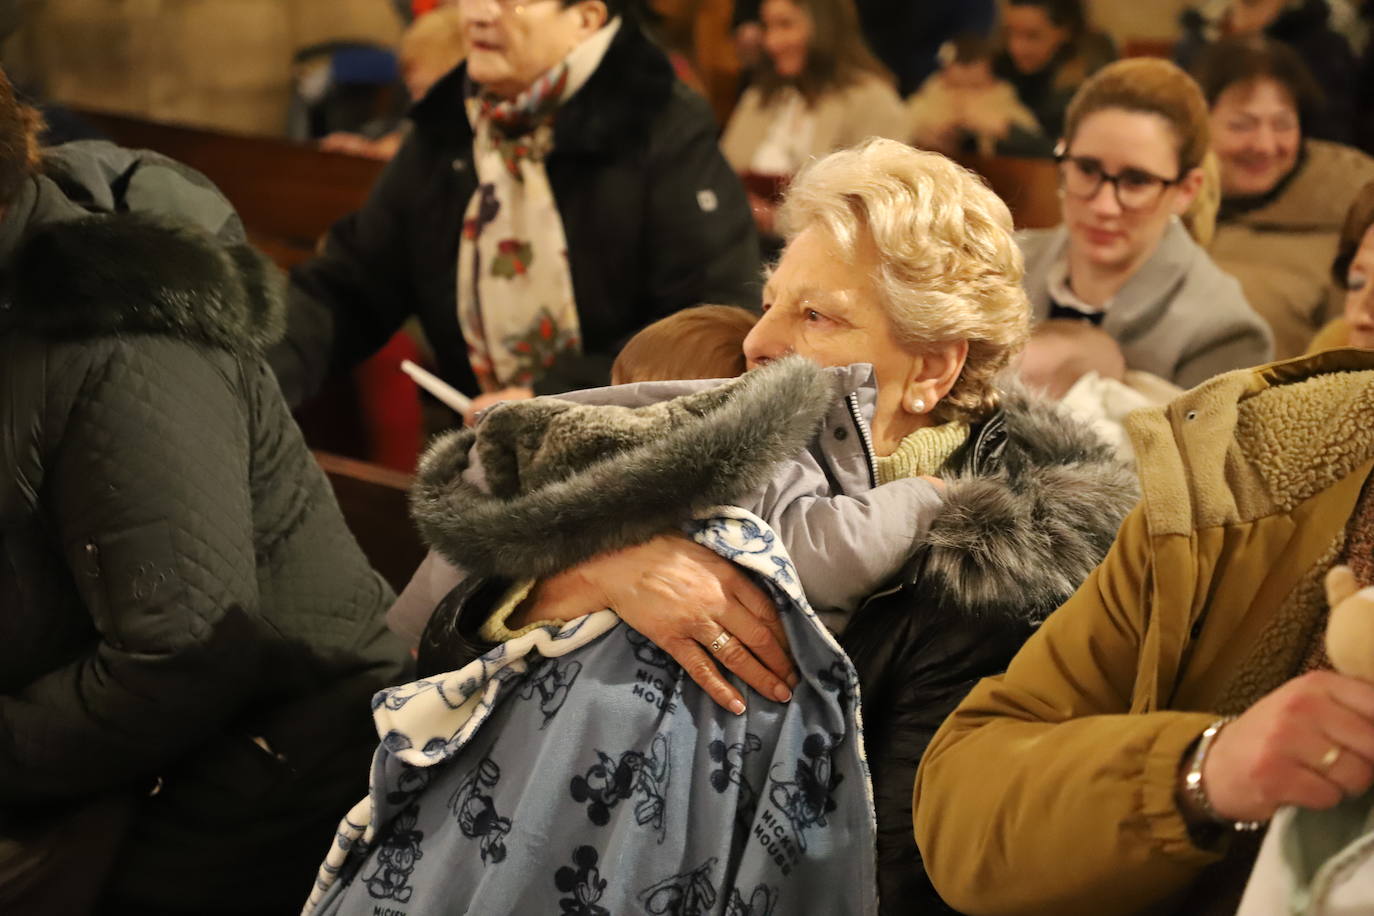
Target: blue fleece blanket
(578, 771)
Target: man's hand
(1309, 743)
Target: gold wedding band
(1330, 757)
(720, 642)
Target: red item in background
(419, 7)
(389, 404)
(769, 187)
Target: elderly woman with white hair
(901, 260)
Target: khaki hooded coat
(1050, 789)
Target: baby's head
(1062, 351)
(702, 342)
(966, 63)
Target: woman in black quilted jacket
(189, 636)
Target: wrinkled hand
(681, 596)
(1277, 753)
(492, 398)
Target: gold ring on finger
(1330, 757)
(720, 642)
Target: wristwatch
(1196, 793)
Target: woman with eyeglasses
(1131, 167)
(1284, 194)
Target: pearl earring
(918, 405)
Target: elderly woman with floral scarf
(559, 191)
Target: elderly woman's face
(512, 42)
(1359, 294)
(1256, 136)
(787, 30)
(828, 310)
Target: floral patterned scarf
(515, 292)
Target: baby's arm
(845, 547)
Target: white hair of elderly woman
(948, 266)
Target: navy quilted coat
(184, 618)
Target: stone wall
(215, 63)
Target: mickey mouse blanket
(577, 771)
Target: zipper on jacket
(852, 401)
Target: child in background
(963, 107)
(696, 343)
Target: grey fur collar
(569, 481)
(1017, 539)
(129, 273)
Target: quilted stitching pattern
(207, 547)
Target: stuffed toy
(1321, 863)
(1350, 629)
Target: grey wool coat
(185, 621)
(1179, 317)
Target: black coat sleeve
(915, 664)
(148, 498)
(700, 244)
(348, 301)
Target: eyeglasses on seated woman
(1133, 182)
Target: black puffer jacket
(181, 606)
(655, 221)
(1033, 504)
(1033, 501)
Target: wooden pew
(288, 194)
(1030, 187)
(375, 505)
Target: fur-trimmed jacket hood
(561, 482)
(108, 241)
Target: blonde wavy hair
(948, 267)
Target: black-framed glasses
(1135, 189)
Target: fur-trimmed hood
(566, 481)
(128, 273)
(110, 241)
(1033, 502)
